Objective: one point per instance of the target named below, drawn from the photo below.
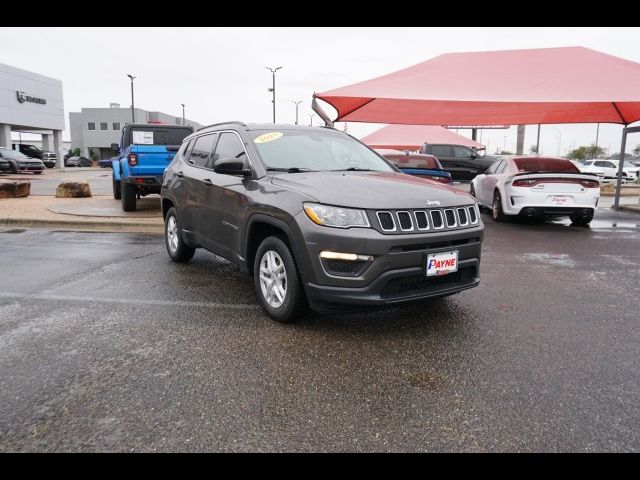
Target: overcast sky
(219, 73)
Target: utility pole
(296, 102)
(133, 115)
(183, 123)
(273, 89)
(520, 140)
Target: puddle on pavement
(610, 224)
(596, 223)
(560, 259)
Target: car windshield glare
(556, 165)
(316, 150)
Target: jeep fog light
(344, 256)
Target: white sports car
(535, 187)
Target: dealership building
(31, 103)
(95, 129)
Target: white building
(31, 103)
(96, 129)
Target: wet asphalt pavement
(106, 345)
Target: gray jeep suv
(317, 218)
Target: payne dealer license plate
(442, 263)
(559, 200)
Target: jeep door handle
(207, 182)
(179, 174)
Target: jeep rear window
(167, 136)
(556, 165)
(319, 150)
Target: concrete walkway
(99, 213)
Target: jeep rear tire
(177, 249)
(128, 192)
(116, 187)
(277, 281)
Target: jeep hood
(375, 190)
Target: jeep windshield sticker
(268, 137)
(142, 138)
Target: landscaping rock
(73, 190)
(15, 189)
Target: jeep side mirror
(231, 166)
(115, 147)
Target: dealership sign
(23, 97)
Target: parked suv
(317, 218)
(463, 163)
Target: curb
(628, 208)
(89, 225)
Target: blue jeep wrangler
(144, 152)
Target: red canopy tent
(515, 87)
(411, 137)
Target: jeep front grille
(386, 221)
(416, 221)
(436, 217)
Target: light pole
(183, 123)
(296, 102)
(559, 139)
(505, 143)
(133, 115)
(311, 115)
(273, 89)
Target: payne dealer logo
(23, 97)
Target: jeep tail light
(132, 159)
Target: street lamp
(273, 89)
(311, 115)
(296, 102)
(133, 115)
(183, 123)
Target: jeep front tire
(277, 281)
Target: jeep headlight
(339, 217)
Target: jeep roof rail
(234, 122)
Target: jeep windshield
(296, 151)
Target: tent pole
(625, 131)
(321, 113)
(623, 147)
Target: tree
(586, 152)
(636, 151)
(506, 152)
